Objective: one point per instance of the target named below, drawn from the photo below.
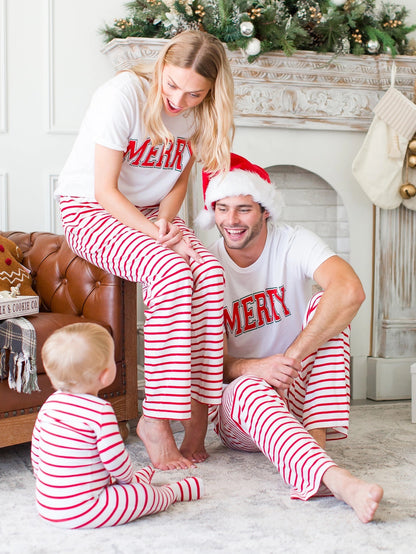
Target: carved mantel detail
(306, 90)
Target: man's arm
(342, 297)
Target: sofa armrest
(67, 284)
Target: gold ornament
(411, 162)
(407, 191)
(412, 146)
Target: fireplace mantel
(306, 90)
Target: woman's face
(182, 88)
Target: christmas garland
(339, 26)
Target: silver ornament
(345, 46)
(246, 28)
(253, 47)
(373, 46)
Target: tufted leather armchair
(72, 290)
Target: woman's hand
(184, 249)
(169, 234)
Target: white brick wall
(313, 203)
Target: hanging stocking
(378, 166)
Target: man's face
(241, 222)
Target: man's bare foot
(157, 437)
(320, 436)
(363, 497)
(193, 444)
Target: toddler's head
(75, 356)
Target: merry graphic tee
(265, 303)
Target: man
(286, 358)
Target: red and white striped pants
(118, 503)
(253, 416)
(184, 305)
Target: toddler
(84, 477)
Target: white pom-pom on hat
(244, 178)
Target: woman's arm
(170, 234)
(107, 170)
(171, 204)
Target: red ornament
(1, 248)
(7, 261)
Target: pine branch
(286, 25)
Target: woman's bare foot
(193, 444)
(363, 497)
(157, 437)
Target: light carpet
(247, 506)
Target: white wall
(50, 63)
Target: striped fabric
(84, 477)
(253, 416)
(183, 316)
(320, 396)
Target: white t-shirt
(114, 120)
(265, 303)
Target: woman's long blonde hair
(214, 124)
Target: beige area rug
(247, 506)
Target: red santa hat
(244, 178)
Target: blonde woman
(120, 193)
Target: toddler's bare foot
(363, 497)
(157, 437)
(193, 444)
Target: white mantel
(311, 111)
(306, 90)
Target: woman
(121, 190)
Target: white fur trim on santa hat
(235, 183)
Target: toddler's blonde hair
(74, 355)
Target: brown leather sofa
(72, 290)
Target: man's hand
(279, 371)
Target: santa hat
(244, 178)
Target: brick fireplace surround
(304, 119)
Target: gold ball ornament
(407, 191)
(412, 146)
(411, 162)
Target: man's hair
(262, 208)
(74, 355)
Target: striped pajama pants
(253, 416)
(118, 504)
(183, 305)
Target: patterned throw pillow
(12, 272)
